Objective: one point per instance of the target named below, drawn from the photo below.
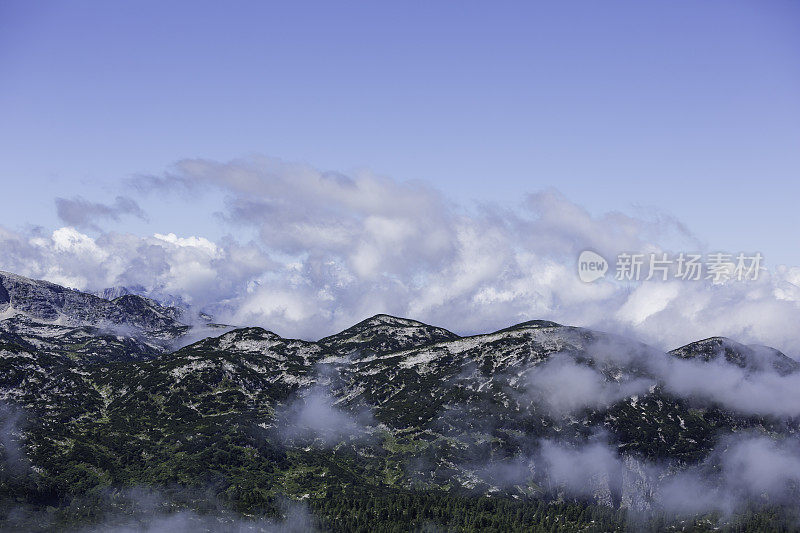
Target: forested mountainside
(109, 421)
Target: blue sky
(670, 112)
(691, 107)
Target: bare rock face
(639, 485)
(48, 302)
(4, 297)
(43, 316)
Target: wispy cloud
(12, 456)
(564, 386)
(83, 214)
(741, 472)
(316, 417)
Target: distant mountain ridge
(53, 303)
(43, 315)
(112, 293)
(752, 357)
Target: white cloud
(189, 242)
(763, 392)
(70, 240)
(743, 469)
(317, 417)
(565, 386)
(647, 300)
(81, 213)
(332, 249)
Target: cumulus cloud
(83, 214)
(192, 268)
(331, 249)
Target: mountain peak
(384, 333)
(112, 293)
(751, 357)
(390, 320)
(532, 324)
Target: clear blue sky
(693, 107)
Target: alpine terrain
(111, 417)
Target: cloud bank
(330, 249)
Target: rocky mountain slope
(100, 403)
(52, 303)
(42, 316)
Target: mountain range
(101, 396)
